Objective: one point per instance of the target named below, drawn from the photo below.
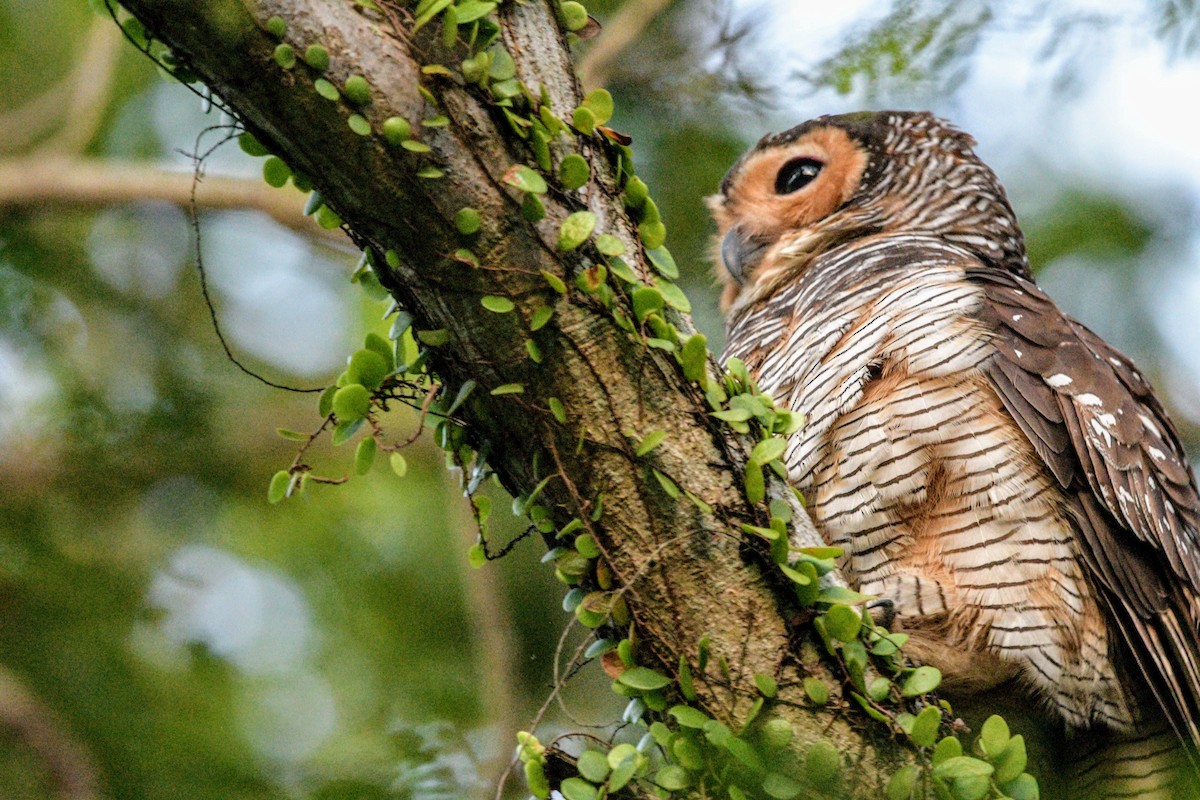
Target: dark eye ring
(796, 174)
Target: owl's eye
(796, 174)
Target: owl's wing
(1096, 423)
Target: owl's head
(834, 179)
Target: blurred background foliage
(164, 632)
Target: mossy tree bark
(686, 573)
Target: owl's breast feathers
(962, 429)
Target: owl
(1005, 481)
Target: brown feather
(1137, 498)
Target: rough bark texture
(687, 574)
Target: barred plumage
(988, 464)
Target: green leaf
(532, 208)
(646, 301)
(610, 245)
(1023, 787)
(644, 679)
(694, 357)
(368, 368)
(925, 726)
(413, 146)
(600, 103)
(503, 67)
(673, 778)
(509, 388)
(963, 767)
(577, 789)
(317, 57)
(780, 786)
(745, 753)
(434, 338)
(994, 737)
(464, 392)
(975, 787)
(498, 305)
(450, 28)
(652, 440)
(399, 464)
(557, 409)
(822, 763)
(574, 172)
(686, 686)
(667, 485)
(755, 486)
(364, 455)
(535, 779)
(284, 55)
(278, 488)
(768, 450)
(477, 556)
(426, 11)
(584, 121)
(327, 218)
(555, 282)
(663, 261)
(674, 296)
(921, 681)
(540, 318)
(593, 765)
(816, 690)
(598, 648)
(903, 783)
(277, 27)
(1012, 760)
(576, 229)
(767, 686)
(396, 130)
(471, 10)
(523, 178)
(586, 545)
(843, 623)
(618, 266)
(251, 146)
(468, 221)
(356, 90)
(275, 172)
(949, 747)
(325, 401)
(636, 192)
(623, 770)
(689, 717)
(734, 415)
(652, 234)
(840, 594)
(351, 402)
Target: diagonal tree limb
(687, 574)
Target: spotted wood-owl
(989, 465)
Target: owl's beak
(741, 253)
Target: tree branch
(687, 570)
(38, 182)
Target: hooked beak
(742, 253)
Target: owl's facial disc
(777, 202)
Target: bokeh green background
(164, 632)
